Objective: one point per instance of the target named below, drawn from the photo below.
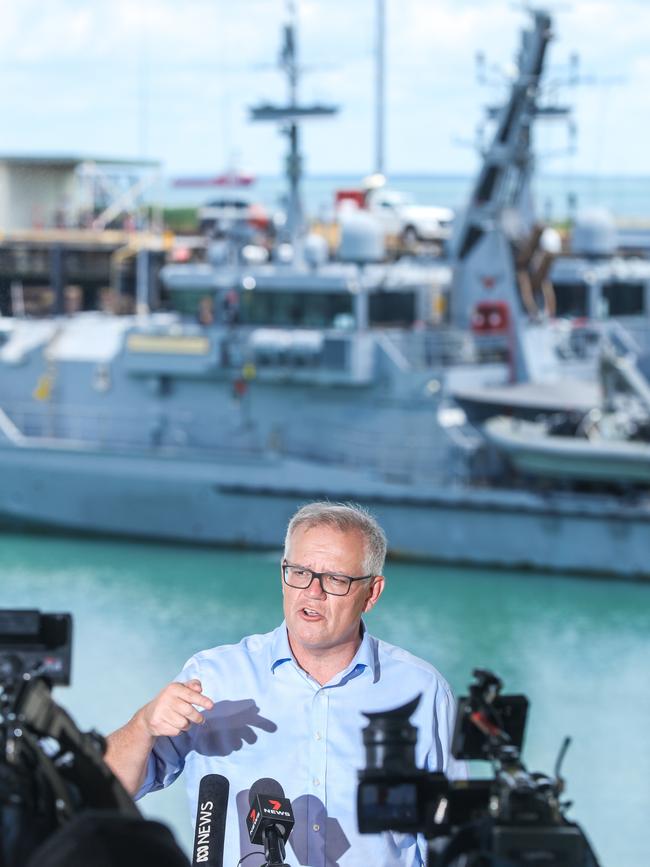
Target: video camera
(49, 770)
(514, 818)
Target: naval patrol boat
(310, 380)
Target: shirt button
(316, 827)
(316, 781)
(317, 735)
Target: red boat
(227, 179)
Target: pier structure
(76, 233)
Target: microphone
(270, 819)
(210, 828)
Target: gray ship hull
(246, 501)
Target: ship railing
(51, 421)
(395, 455)
(441, 346)
(415, 348)
(9, 430)
(398, 456)
(618, 339)
(637, 328)
(181, 431)
(623, 368)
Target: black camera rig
(49, 770)
(514, 818)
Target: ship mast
(483, 250)
(380, 96)
(290, 116)
(508, 161)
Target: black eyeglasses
(330, 582)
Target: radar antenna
(289, 116)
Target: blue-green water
(557, 196)
(579, 649)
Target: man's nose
(316, 587)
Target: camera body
(50, 771)
(513, 818)
(36, 645)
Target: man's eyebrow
(316, 572)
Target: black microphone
(270, 819)
(210, 830)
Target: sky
(173, 81)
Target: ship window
(297, 309)
(187, 301)
(392, 308)
(624, 299)
(571, 299)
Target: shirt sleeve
(165, 763)
(167, 758)
(444, 719)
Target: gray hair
(344, 517)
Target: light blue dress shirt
(271, 719)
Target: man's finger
(194, 716)
(178, 721)
(184, 708)
(192, 697)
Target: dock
(45, 271)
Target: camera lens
(389, 739)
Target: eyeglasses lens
(335, 585)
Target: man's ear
(375, 591)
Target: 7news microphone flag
(270, 819)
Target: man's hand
(172, 711)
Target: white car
(228, 213)
(401, 217)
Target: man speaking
(288, 706)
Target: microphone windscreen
(264, 786)
(268, 809)
(210, 831)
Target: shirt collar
(365, 655)
(364, 659)
(280, 650)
